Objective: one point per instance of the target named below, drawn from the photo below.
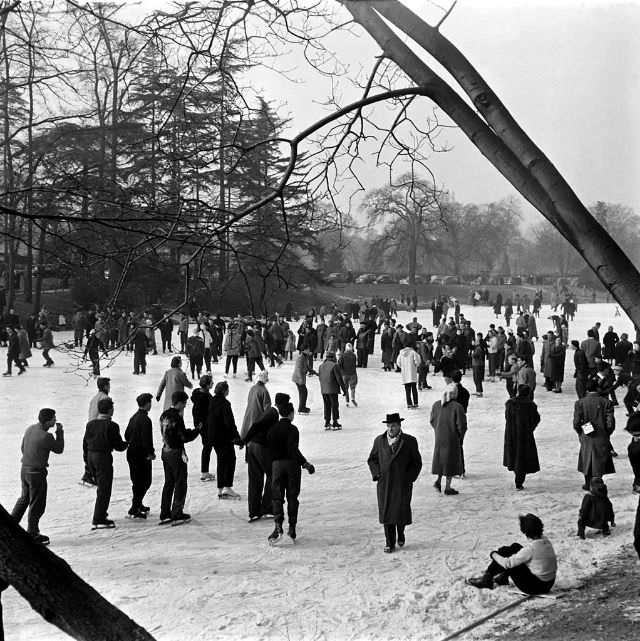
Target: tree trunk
(56, 592)
(504, 143)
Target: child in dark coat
(596, 510)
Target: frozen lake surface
(217, 577)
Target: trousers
(34, 497)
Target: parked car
(337, 277)
(366, 279)
(385, 279)
(420, 280)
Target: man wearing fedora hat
(395, 463)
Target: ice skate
(180, 519)
(276, 535)
(105, 524)
(207, 476)
(43, 539)
(228, 493)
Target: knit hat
(282, 398)
(263, 376)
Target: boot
(276, 534)
(484, 581)
(501, 579)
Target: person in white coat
(408, 361)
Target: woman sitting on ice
(532, 568)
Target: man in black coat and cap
(259, 460)
(395, 464)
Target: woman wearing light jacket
(408, 361)
(232, 347)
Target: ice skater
(283, 442)
(140, 453)
(102, 436)
(37, 444)
(174, 460)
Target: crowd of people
(335, 345)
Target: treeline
(133, 150)
(413, 228)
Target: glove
(307, 466)
(376, 477)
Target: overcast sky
(568, 72)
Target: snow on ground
(217, 577)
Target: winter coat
(609, 340)
(450, 425)
(233, 340)
(596, 510)
(520, 451)
(594, 458)
(258, 401)
(395, 472)
(47, 339)
(200, 399)
(301, 369)
(556, 356)
(347, 363)
(221, 426)
(174, 380)
(23, 339)
(321, 331)
(290, 344)
(331, 381)
(331, 338)
(408, 362)
(545, 362)
(591, 349)
(622, 353)
(251, 347)
(139, 435)
(386, 341)
(532, 328)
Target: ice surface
(216, 577)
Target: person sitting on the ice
(532, 568)
(596, 510)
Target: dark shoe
(519, 488)
(254, 518)
(291, 532)
(327, 426)
(182, 516)
(501, 579)
(41, 538)
(581, 531)
(137, 513)
(438, 486)
(303, 411)
(606, 531)
(389, 548)
(451, 492)
(485, 581)
(401, 540)
(276, 534)
(144, 508)
(336, 426)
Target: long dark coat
(520, 451)
(395, 472)
(556, 356)
(595, 448)
(450, 425)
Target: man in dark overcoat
(395, 463)
(594, 422)
(520, 451)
